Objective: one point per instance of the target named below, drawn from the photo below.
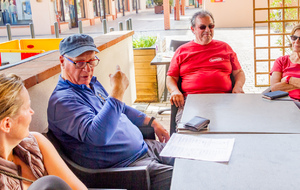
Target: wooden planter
(149, 79)
(158, 9)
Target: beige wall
(119, 54)
(232, 13)
(42, 16)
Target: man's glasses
(203, 27)
(294, 38)
(81, 64)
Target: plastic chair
(134, 178)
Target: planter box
(149, 79)
(158, 9)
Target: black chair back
(176, 43)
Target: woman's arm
(293, 81)
(278, 84)
(54, 163)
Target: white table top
(243, 113)
(258, 161)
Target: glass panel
(276, 14)
(289, 3)
(271, 64)
(261, 28)
(95, 8)
(276, 27)
(276, 3)
(262, 66)
(276, 40)
(288, 51)
(288, 41)
(289, 26)
(262, 54)
(16, 12)
(66, 7)
(276, 52)
(80, 9)
(262, 79)
(261, 41)
(290, 14)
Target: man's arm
(239, 77)
(140, 119)
(159, 130)
(176, 96)
(279, 83)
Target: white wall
(39, 95)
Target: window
(16, 12)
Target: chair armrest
(173, 123)
(148, 132)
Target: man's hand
(177, 98)
(237, 89)
(119, 83)
(159, 130)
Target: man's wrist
(151, 121)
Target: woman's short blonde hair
(10, 88)
(296, 27)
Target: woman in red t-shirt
(286, 70)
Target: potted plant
(158, 9)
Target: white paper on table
(199, 148)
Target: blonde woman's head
(10, 102)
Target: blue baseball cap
(76, 45)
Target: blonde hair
(10, 88)
(296, 27)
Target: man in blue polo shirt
(97, 129)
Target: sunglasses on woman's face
(294, 38)
(203, 27)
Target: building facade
(44, 13)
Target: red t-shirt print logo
(216, 59)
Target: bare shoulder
(37, 135)
(41, 139)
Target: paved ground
(148, 23)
